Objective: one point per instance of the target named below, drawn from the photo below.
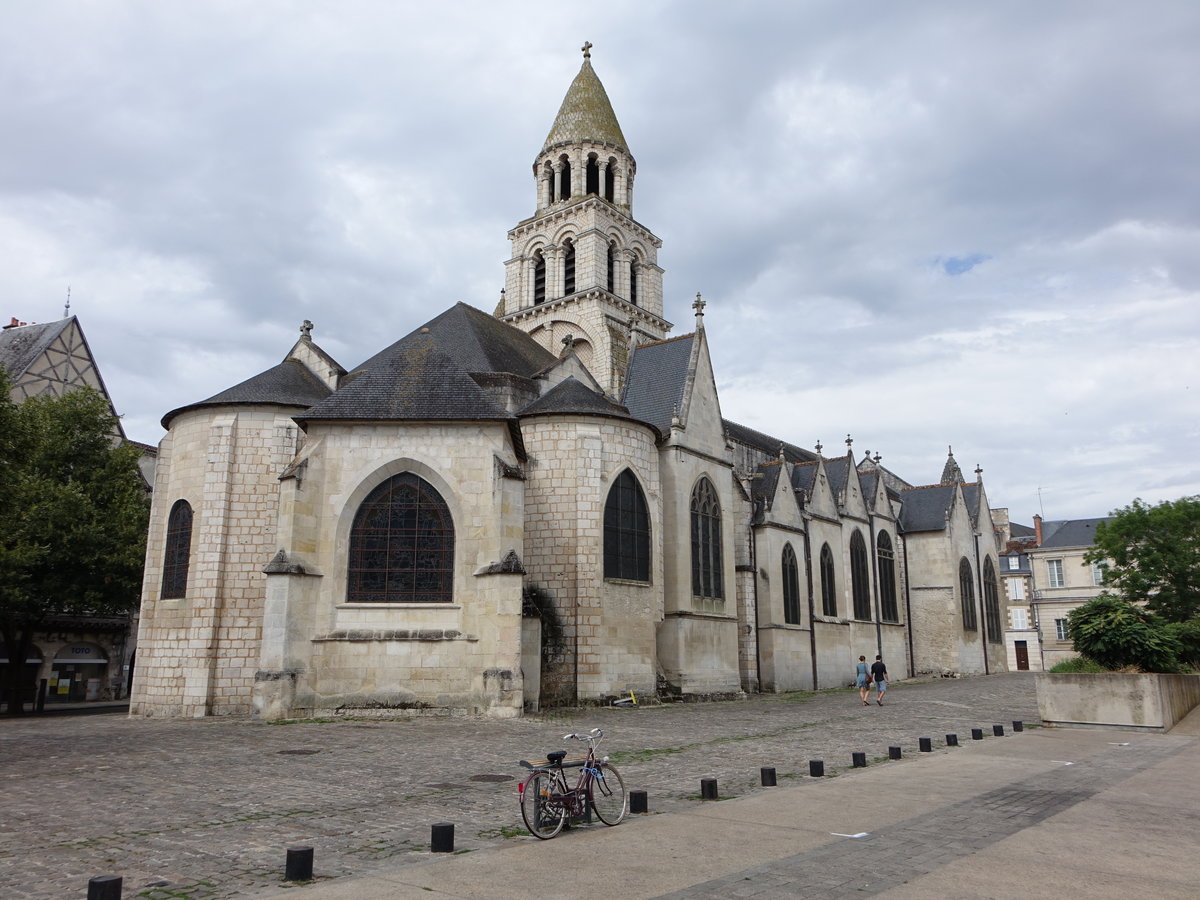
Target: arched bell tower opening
(607, 270)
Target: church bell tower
(581, 265)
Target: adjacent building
(1062, 581)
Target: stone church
(539, 505)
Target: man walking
(879, 676)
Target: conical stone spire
(951, 473)
(586, 113)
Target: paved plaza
(206, 808)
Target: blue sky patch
(956, 265)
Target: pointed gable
(574, 397)
(658, 374)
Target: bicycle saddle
(556, 757)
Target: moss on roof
(586, 114)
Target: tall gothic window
(626, 531)
(401, 545)
(991, 602)
(633, 283)
(791, 586)
(886, 562)
(707, 575)
(568, 267)
(860, 577)
(828, 582)
(966, 595)
(178, 553)
(539, 278)
(593, 176)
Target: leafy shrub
(1077, 665)
(1188, 635)
(1117, 633)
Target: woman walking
(862, 681)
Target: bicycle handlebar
(591, 737)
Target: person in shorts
(880, 677)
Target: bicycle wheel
(543, 814)
(607, 795)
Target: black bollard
(1018, 725)
(104, 887)
(977, 734)
(441, 837)
(893, 752)
(998, 730)
(816, 768)
(638, 802)
(926, 744)
(952, 740)
(859, 759)
(299, 865)
(708, 789)
(767, 774)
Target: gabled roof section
(971, 494)
(573, 397)
(767, 444)
(20, 346)
(476, 342)
(657, 377)
(413, 379)
(804, 476)
(763, 488)
(586, 114)
(951, 473)
(1072, 533)
(925, 508)
(288, 384)
(838, 471)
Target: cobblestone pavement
(205, 808)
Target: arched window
(791, 586)
(707, 577)
(633, 282)
(991, 602)
(626, 531)
(593, 176)
(179, 551)
(548, 175)
(401, 545)
(539, 278)
(860, 577)
(564, 180)
(828, 583)
(612, 259)
(610, 179)
(885, 559)
(568, 267)
(966, 595)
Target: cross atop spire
(699, 305)
(587, 49)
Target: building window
(1016, 588)
(966, 595)
(828, 583)
(707, 579)
(539, 278)
(568, 267)
(1098, 570)
(885, 559)
(1054, 572)
(860, 577)
(178, 554)
(1060, 628)
(626, 531)
(401, 545)
(609, 180)
(991, 602)
(564, 179)
(593, 176)
(1020, 618)
(1014, 563)
(633, 283)
(791, 586)
(612, 258)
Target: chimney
(1037, 529)
(13, 324)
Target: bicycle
(547, 800)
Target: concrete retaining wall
(1115, 700)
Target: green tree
(73, 514)
(1118, 634)
(1152, 554)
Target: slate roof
(804, 476)
(838, 471)
(573, 396)
(288, 384)
(767, 444)
(924, 508)
(971, 495)
(1072, 533)
(20, 346)
(657, 376)
(586, 114)
(1021, 531)
(764, 488)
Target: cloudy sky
(921, 224)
